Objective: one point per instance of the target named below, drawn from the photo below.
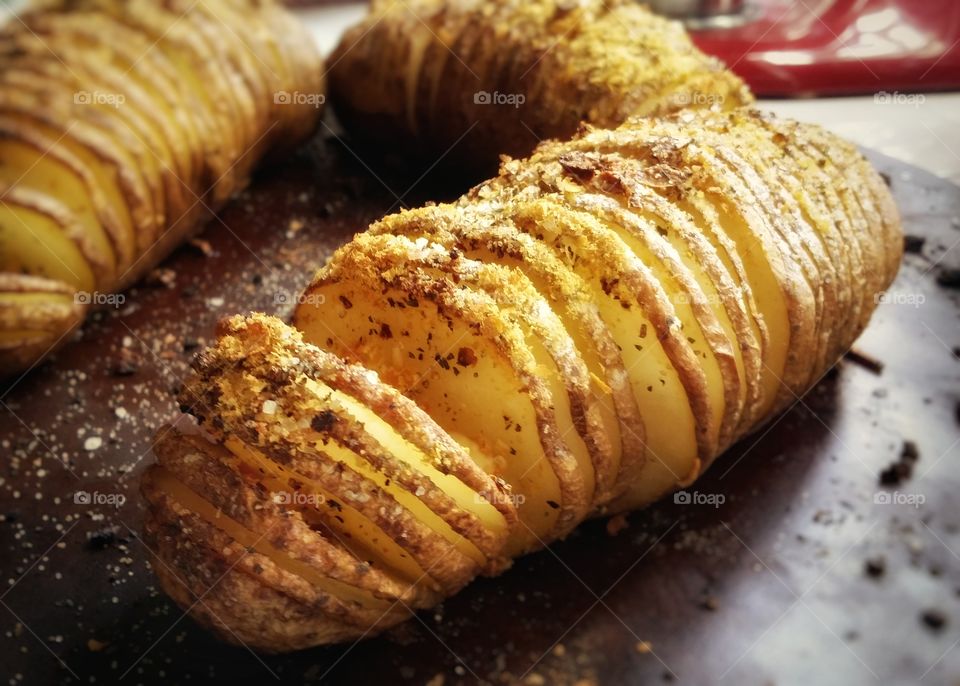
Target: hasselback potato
(122, 126)
(465, 81)
(578, 336)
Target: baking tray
(808, 571)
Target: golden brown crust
(472, 80)
(154, 113)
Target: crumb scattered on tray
(901, 470)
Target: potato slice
(234, 61)
(74, 107)
(502, 244)
(39, 236)
(805, 220)
(95, 69)
(667, 380)
(205, 554)
(740, 354)
(780, 290)
(36, 314)
(698, 320)
(422, 336)
(448, 526)
(120, 123)
(397, 423)
(27, 161)
(558, 361)
(204, 79)
(246, 497)
(120, 175)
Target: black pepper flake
(385, 331)
(933, 619)
(323, 422)
(345, 302)
(554, 505)
(875, 567)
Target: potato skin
(577, 210)
(157, 112)
(470, 81)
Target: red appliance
(829, 47)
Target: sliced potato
(36, 314)
(28, 160)
(422, 334)
(451, 525)
(667, 380)
(502, 244)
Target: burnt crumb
(385, 331)
(902, 469)
(933, 619)
(553, 504)
(103, 538)
(913, 244)
(866, 361)
(123, 369)
(256, 279)
(886, 179)
(190, 344)
(949, 278)
(188, 292)
(9, 518)
(323, 422)
(466, 357)
(875, 567)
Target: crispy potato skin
(472, 80)
(117, 144)
(719, 205)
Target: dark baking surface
(799, 577)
